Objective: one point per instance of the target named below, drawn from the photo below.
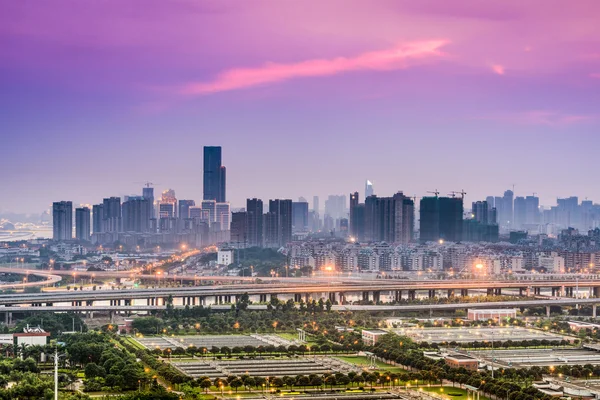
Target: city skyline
(425, 95)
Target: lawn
(364, 362)
(449, 392)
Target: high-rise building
(254, 209)
(148, 194)
(507, 209)
(214, 175)
(82, 224)
(335, 207)
(429, 219)
(279, 223)
(239, 229)
(480, 211)
(222, 215)
(98, 211)
(519, 213)
(184, 208)
(210, 206)
(532, 210)
(451, 218)
(166, 210)
(135, 214)
(316, 204)
(112, 214)
(299, 216)
(62, 220)
(369, 189)
(388, 219)
(441, 218)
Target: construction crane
(147, 183)
(462, 193)
(436, 192)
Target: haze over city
(99, 97)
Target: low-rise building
(32, 337)
(462, 361)
(484, 315)
(370, 337)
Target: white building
(32, 337)
(225, 257)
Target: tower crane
(436, 192)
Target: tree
(236, 383)
(205, 384)
(93, 370)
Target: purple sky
(306, 97)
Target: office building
(214, 175)
(98, 218)
(210, 207)
(429, 219)
(507, 209)
(62, 220)
(254, 210)
(299, 216)
(316, 204)
(184, 208)
(222, 215)
(168, 197)
(388, 219)
(480, 211)
(112, 214)
(278, 223)
(532, 210)
(82, 224)
(135, 212)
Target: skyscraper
(254, 210)
(507, 209)
(480, 211)
(222, 215)
(429, 219)
(520, 213)
(98, 211)
(239, 229)
(214, 175)
(62, 220)
(388, 219)
(369, 189)
(299, 216)
(184, 208)
(279, 223)
(451, 218)
(135, 214)
(316, 204)
(82, 224)
(112, 214)
(532, 210)
(148, 193)
(210, 206)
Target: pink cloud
(595, 75)
(541, 117)
(498, 69)
(395, 58)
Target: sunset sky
(306, 97)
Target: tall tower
(148, 193)
(214, 175)
(82, 224)
(62, 220)
(369, 189)
(254, 225)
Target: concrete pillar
(342, 296)
(398, 296)
(450, 292)
(548, 311)
(297, 297)
(464, 292)
(412, 294)
(596, 291)
(431, 294)
(376, 296)
(111, 314)
(498, 291)
(490, 292)
(365, 296)
(594, 310)
(332, 297)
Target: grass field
(449, 392)
(364, 362)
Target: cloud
(384, 60)
(498, 69)
(595, 75)
(541, 117)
